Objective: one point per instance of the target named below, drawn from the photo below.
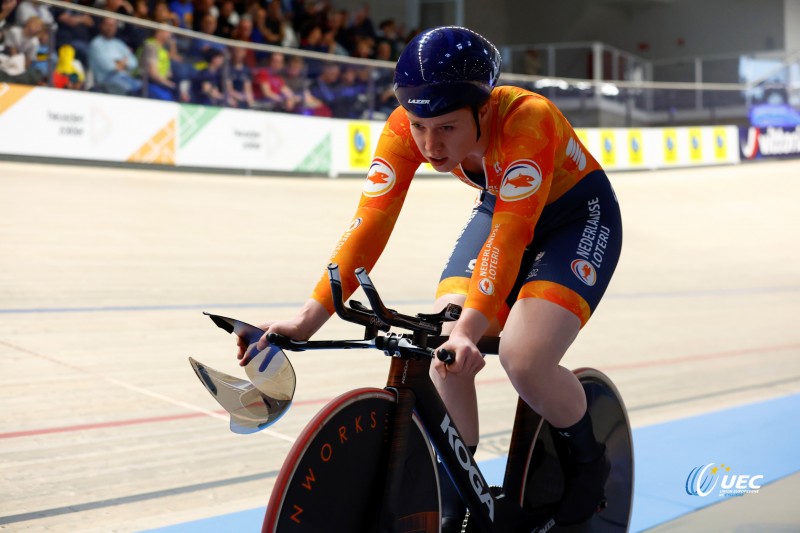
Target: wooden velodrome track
(104, 274)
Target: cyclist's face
(445, 141)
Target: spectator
(16, 56)
(297, 80)
(163, 15)
(46, 58)
(184, 12)
(360, 26)
(199, 48)
(244, 32)
(351, 99)
(387, 31)
(207, 85)
(157, 66)
(28, 9)
(24, 40)
(337, 23)
(326, 86)
(76, 29)
(383, 78)
(269, 25)
(364, 47)
(228, 19)
(311, 40)
(69, 72)
(270, 88)
(112, 63)
(131, 34)
(240, 81)
(330, 43)
(7, 8)
(201, 9)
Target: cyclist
(535, 256)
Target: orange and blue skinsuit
(547, 226)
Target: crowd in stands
(66, 48)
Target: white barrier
(52, 123)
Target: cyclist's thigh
(576, 250)
(461, 263)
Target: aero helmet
(444, 69)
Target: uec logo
(703, 479)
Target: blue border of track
(755, 439)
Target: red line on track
(622, 366)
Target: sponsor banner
(58, 123)
(360, 145)
(44, 122)
(236, 138)
(759, 143)
(653, 148)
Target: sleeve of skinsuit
(530, 134)
(393, 166)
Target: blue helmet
(445, 69)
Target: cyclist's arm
(393, 166)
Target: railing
(593, 84)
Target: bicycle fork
(410, 380)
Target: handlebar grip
(446, 356)
(279, 340)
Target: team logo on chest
(380, 178)
(522, 179)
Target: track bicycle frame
(410, 382)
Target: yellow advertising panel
(696, 144)
(608, 150)
(635, 147)
(720, 144)
(670, 146)
(360, 149)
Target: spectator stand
(180, 73)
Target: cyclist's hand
(468, 360)
(300, 328)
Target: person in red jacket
(535, 256)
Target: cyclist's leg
(563, 277)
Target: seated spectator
(69, 72)
(351, 97)
(75, 29)
(201, 9)
(244, 32)
(131, 34)
(331, 44)
(240, 81)
(28, 9)
(16, 58)
(46, 57)
(7, 8)
(200, 48)
(311, 40)
(184, 12)
(112, 63)
(297, 80)
(269, 86)
(388, 32)
(207, 86)
(157, 67)
(24, 40)
(325, 87)
(162, 14)
(228, 19)
(269, 25)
